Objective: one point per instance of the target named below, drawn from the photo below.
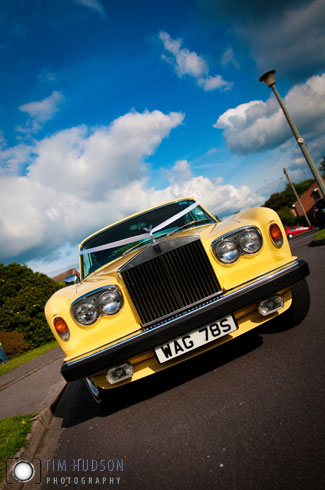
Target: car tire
(99, 395)
(300, 304)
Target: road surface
(246, 416)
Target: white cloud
(13, 159)
(257, 125)
(82, 179)
(89, 162)
(238, 116)
(190, 63)
(180, 172)
(40, 112)
(94, 5)
(211, 83)
(228, 57)
(185, 61)
(212, 193)
(79, 180)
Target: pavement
(32, 387)
(35, 388)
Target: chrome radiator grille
(171, 283)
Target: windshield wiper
(190, 224)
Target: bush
(13, 343)
(287, 218)
(23, 295)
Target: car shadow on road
(76, 406)
(276, 325)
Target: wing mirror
(74, 279)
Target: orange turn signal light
(62, 328)
(276, 235)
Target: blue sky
(108, 108)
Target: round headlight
(110, 302)
(86, 312)
(227, 251)
(250, 241)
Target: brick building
(308, 200)
(64, 275)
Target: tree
(281, 202)
(277, 201)
(286, 216)
(23, 295)
(322, 166)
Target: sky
(108, 108)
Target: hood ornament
(148, 229)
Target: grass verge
(26, 356)
(320, 235)
(13, 436)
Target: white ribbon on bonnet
(126, 241)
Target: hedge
(13, 343)
(23, 295)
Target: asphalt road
(248, 415)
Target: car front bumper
(244, 295)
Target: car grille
(173, 282)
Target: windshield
(139, 225)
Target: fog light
(119, 373)
(270, 305)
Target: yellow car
(168, 284)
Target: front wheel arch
(99, 395)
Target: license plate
(196, 338)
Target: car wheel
(300, 304)
(98, 394)
(290, 236)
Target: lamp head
(268, 78)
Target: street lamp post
(297, 197)
(269, 79)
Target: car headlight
(101, 302)
(250, 241)
(110, 302)
(228, 248)
(86, 312)
(227, 251)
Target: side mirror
(74, 279)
